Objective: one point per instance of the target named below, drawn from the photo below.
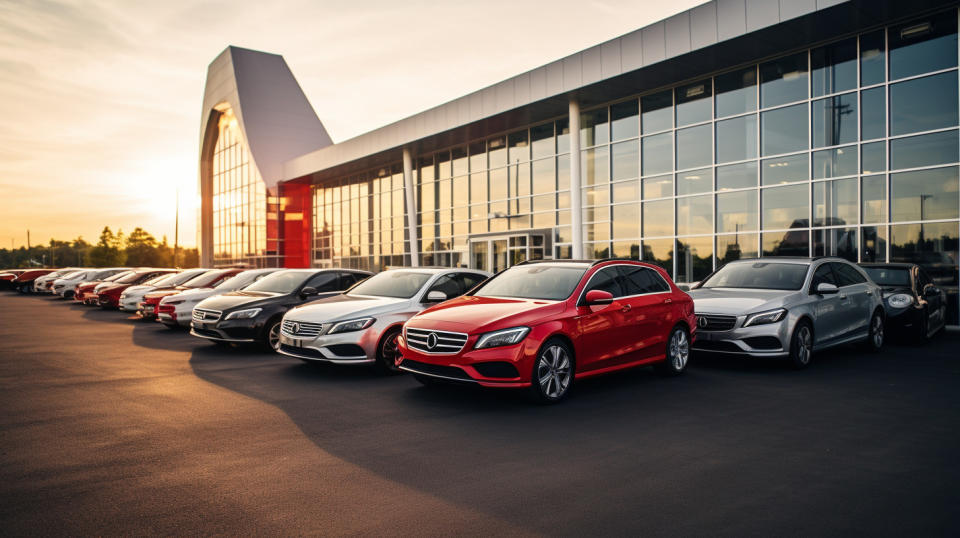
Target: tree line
(136, 249)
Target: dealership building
(739, 128)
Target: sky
(100, 99)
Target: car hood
(737, 301)
(139, 289)
(341, 307)
(472, 314)
(234, 299)
(196, 295)
(893, 290)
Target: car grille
(301, 328)
(711, 322)
(438, 342)
(449, 372)
(206, 315)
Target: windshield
(548, 282)
(889, 276)
(280, 282)
(240, 280)
(759, 276)
(205, 279)
(118, 276)
(397, 284)
(72, 274)
(132, 277)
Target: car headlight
(172, 302)
(763, 318)
(900, 300)
(244, 314)
(505, 337)
(351, 325)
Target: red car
(24, 281)
(7, 277)
(84, 292)
(541, 325)
(109, 296)
(150, 306)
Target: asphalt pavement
(111, 426)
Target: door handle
(842, 297)
(667, 301)
(626, 308)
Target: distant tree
(107, 252)
(141, 249)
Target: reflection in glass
(736, 92)
(873, 241)
(924, 150)
(783, 80)
(693, 103)
(695, 215)
(873, 110)
(924, 194)
(624, 120)
(563, 135)
(659, 252)
(519, 147)
(872, 58)
(657, 112)
(594, 128)
(923, 45)
(626, 191)
(626, 221)
(790, 243)
(541, 140)
(841, 242)
(736, 246)
(694, 147)
(873, 157)
(923, 104)
(497, 152)
(737, 139)
(657, 187)
(626, 160)
(694, 258)
(873, 199)
(789, 169)
(657, 154)
(594, 166)
(478, 156)
(783, 130)
(737, 176)
(695, 181)
(835, 162)
(835, 120)
(785, 207)
(835, 202)
(657, 218)
(498, 184)
(834, 67)
(544, 178)
(737, 211)
(934, 246)
(626, 249)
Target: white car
(131, 297)
(176, 310)
(65, 285)
(40, 284)
(362, 325)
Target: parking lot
(113, 426)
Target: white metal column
(576, 198)
(410, 193)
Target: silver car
(361, 325)
(787, 307)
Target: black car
(914, 304)
(253, 314)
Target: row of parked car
(539, 325)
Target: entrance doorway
(495, 253)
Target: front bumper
(237, 331)
(506, 367)
(769, 340)
(356, 347)
(129, 305)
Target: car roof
(904, 265)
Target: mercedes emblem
(295, 327)
(432, 340)
(702, 322)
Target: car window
(823, 275)
(349, 279)
(608, 280)
(639, 280)
(448, 285)
(469, 280)
(846, 275)
(324, 282)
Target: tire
(801, 345)
(677, 353)
(922, 335)
(875, 334)
(270, 340)
(387, 352)
(427, 381)
(553, 372)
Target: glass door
(500, 252)
(499, 260)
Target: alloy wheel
(389, 351)
(273, 337)
(804, 344)
(876, 331)
(679, 349)
(554, 372)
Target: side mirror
(436, 297)
(309, 291)
(931, 291)
(598, 297)
(826, 288)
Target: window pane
(563, 135)
(874, 244)
(563, 172)
(737, 211)
(497, 152)
(519, 147)
(626, 221)
(624, 120)
(873, 197)
(694, 258)
(835, 202)
(783, 80)
(735, 247)
(788, 169)
(657, 154)
(626, 191)
(835, 120)
(541, 140)
(924, 194)
(478, 156)
(835, 162)
(693, 103)
(658, 218)
(924, 150)
(695, 181)
(657, 111)
(783, 130)
(694, 147)
(785, 207)
(873, 110)
(498, 184)
(626, 249)
(595, 167)
(658, 187)
(923, 104)
(593, 127)
(695, 215)
(873, 157)
(834, 67)
(792, 243)
(544, 179)
(736, 92)
(626, 160)
(934, 247)
(923, 45)
(737, 139)
(659, 252)
(840, 242)
(872, 58)
(737, 176)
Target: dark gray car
(787, 307)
